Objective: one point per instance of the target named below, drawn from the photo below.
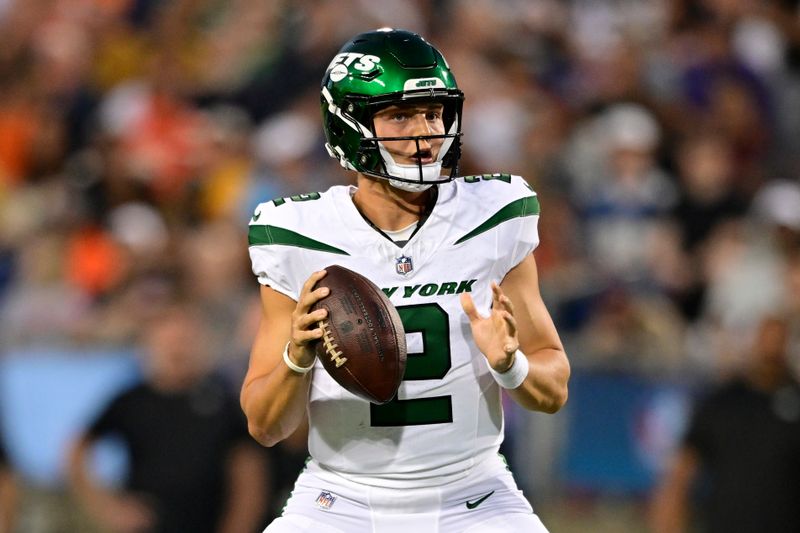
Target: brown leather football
(364, 343)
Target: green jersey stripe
(266, 235)
(524, 207)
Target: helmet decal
(338, 72)
(366, 62)
(350, 121)
(423, 83)
(339, 67)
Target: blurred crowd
(663, 139)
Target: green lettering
(304, 197)
(297, 198)
(502, 177)
(409, 291)
(465, 286)
(428, 289)
(388, 292)
(448, 287)
(488, 177)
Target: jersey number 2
(432, 363)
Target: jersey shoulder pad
(285, 211)
(501, 211)
(496, 198)
(281, 234)
(303, 220)
(496, 188)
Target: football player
(454, 255)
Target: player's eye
(433, 115)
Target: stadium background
(663, 137)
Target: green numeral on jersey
(297, 198)
(488, 177)
(432, 363)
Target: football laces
(330, 345)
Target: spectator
(624, 208)
(742, 261)
(745, 436)
(8, 494)
(41, 306)
(707, 199)
(192, 464)
(134, 134)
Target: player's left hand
(495, 335)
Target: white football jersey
(447, 415)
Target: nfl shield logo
(404, 265)
(325, 500)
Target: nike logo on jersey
(256, 216)
(473, 505)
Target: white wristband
(297, 368)
(514, 376)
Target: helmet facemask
(418, 176)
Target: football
(363, 346)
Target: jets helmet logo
(342, 62)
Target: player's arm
(545, 387)
(118, 511)
(246, 473)
(669, 511)
(273, 395)
(9, 497)
(520, 320)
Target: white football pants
(486, 501)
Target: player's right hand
(305, 324)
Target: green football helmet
(377, 69)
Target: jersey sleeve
(272, 264)
(500, 220)
(523, 232)
(528, 232)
